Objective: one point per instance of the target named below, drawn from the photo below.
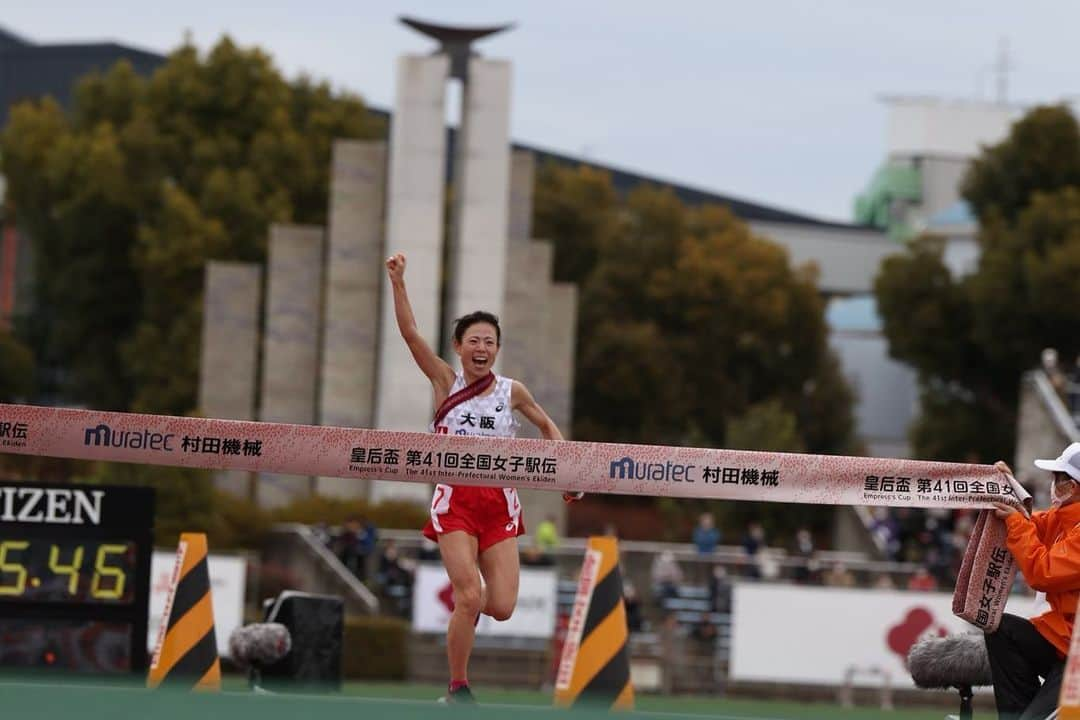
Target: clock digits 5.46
(65, 570)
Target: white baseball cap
(1068, 462)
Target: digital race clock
(75, 576)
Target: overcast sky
(775, 101)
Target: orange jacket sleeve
(1048, 568)
(1039, 519)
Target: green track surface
(85, 701)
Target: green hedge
(335, 511)
(188, 502)
(375, 648)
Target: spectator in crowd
(356, 544)
(803, 554)
(394, 578)
(610, 530)
(532, 555)
(547, 535)
(1073, 390)
(768, 563)
(754, 539)
(752, 542)
(839, 576)
(429, 550)
(1052, 367)
(886, 532)
(672, 651)
(935, 538)
(883, 581)
(394, 571)
(921, 579)
(706, 535)
(935, 542)
(719, 590)
(635, 621)
(912, 522)
(666, 575)
(963, 522)
(704, 630)
(322, 534)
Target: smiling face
(478, 347)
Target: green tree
(769, 426)
(126, 198)
(576, 209)
(825, 410)
(971, 338)
(1041, 154)
(186, 501)
(16, 369)
(692, 331)
(765, 426)
(184, 498)
(686, 319)
(68, 189)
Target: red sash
(466, 393)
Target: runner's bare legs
(500, 565)
(458, 551)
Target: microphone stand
(255, 680)
(965, 701)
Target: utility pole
(1002, 68)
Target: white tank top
(485, 415)
(488, 416)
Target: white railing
(331, 562)
(1052, 402)
(686, 553)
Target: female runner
(476, 527)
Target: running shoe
(461, 696)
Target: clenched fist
(395, 267)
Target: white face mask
(1059, 497)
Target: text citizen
(50, 505)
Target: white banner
(788, 633)
(426, 458)
(533, 617)
(228, 577)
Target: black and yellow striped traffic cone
(186, 649)
(595, 664)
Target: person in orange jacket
(1046, 547)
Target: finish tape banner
(654, 470)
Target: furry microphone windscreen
(950, 661)
(259, 645)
